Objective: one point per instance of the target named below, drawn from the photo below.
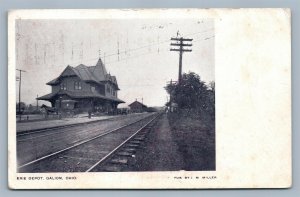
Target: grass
(195, 138)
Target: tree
(22, 105)
(211, 86)
(193, 94)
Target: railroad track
(90, 154)
(36, 145)
(54, 130)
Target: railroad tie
(132, 145)
(119, 161)
(112, 168)
(123, 153)
(130, 150)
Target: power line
(132, 57)
(108, 55)
(142, 47)
(119, 52)
(198, 32)
(207, 38)
(136, 56)
(154, 43)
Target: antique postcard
(149, 99)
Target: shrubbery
(193, 96)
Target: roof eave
(52, 84)
(44, 99)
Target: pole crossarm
(178, 44)
(183, 50)
(187, 50)
(21, 70)
(183, 39)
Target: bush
(192, 94)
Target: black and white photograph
(149, 98)
(115, 95)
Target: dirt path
(160, 152)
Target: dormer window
(77, 85)
(63, 86)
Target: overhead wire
(118, 53)
(147, 53)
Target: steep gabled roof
(112, 79)
(99, 71)
(95, 74)
(53, 81)
(84, 73)
(68, 71)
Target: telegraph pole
(37, 102)
(182, 44)
(118, 50)
(20, 82)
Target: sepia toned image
(149, 99)
(115, 95)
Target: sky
(136, 51)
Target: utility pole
(20, 83)
(37, 102)
(181, 43)
(118, 50)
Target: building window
(93, 88)
(107, 88)
(63, 86)
(77, 85)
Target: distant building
(137, 107)
(84, 88)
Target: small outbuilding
(137, 107)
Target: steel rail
(119, 146)
(68, 130)
(79, 143)
(35, 131)
(53, 132)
